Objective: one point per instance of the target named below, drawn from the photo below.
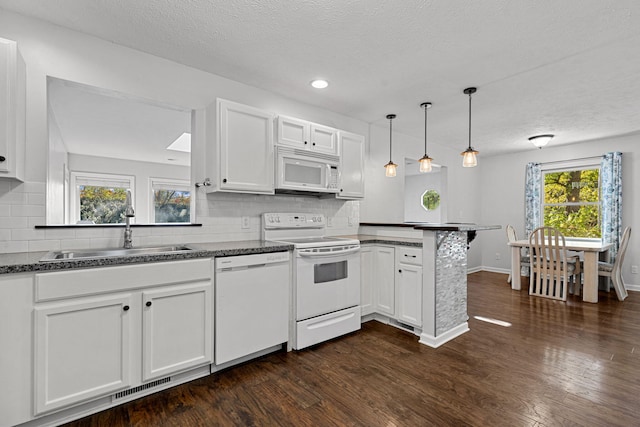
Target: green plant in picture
(431, 200)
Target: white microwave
(302, 170)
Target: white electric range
(326, 277)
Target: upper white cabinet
(351, 183)
(240, 159)
(12, 110)
(305, 135)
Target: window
(170, 200)
(99, 198)
(571, 201)
(430, 200)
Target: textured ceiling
(566, 67)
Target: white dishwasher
(251, 304)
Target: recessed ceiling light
(319, 84)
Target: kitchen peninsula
(443, 275)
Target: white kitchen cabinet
(409, 286)
(384, 283)
(351, 183)
(102, 330)
(16, 348)
(240, 158)
(12, 110)
(177, 329)
(367, 279)
(305, 135)
(82, 350)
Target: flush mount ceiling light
(319, 84)
(425, 161)
(541, 140)
(390, 168)
(469, 158)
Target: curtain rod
(570, 160)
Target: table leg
(590, 292)
(515, 268)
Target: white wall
(51, 50)
(415, 186)
(502, 193)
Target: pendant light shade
(390, 168)
(425, 161)
(469, 158)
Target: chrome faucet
(128, 214)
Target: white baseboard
(436, 342)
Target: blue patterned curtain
(532, 200)
(611, 197)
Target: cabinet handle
(224, 180)
(314, 144)
(125, 308)
(148, 304)
(399, 271)
(410, 256)
(2, 158)
(305, 143)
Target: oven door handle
(310, 253)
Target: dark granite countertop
(450, 226)
(25, 262)
(386, 240)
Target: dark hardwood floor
(573, 363)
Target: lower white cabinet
(409, 294)
(99, 331)
(176, 329)
(367, 279)
(82, 350)
(391, 282)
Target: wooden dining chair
(614, 270)
(524, 259)
(551, 271)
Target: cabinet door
(324, 139)
(409, 294)
(293, 132)
(351, 166)
(82, 350)
(367, 277)
(12, 110)
(246, 148)
(177, 329)
(384, 287)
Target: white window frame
(570, 165)
(172, 184)
(96, 179)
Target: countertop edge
(234, 248)
(435, 227)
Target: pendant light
(469, 158)
(390, 168)
(425, 161)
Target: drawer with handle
(406, 255)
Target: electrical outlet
(498, 256)
(329, 221)
(350, 221)
(634, 269)
(245, 222)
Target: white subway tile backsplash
(22, 206)
(44, 245)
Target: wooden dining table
(592, 250)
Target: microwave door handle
(328, 176)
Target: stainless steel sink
(114, 252)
